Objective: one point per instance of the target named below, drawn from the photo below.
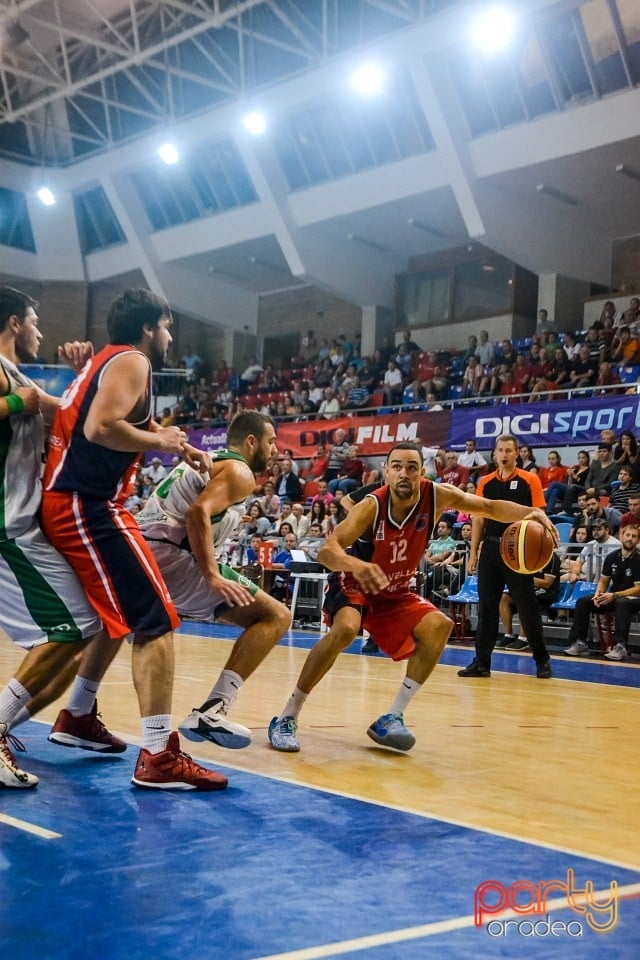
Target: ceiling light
(371, 244)
(493, 30)
(557, 194)
(254, 122)
(419, 225)
(367, 79)
(627, 171)
(169, 153)
(45, 196)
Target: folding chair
(459, 604)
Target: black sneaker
(369, 647)
(518, 644)
(543, 670)
(502, 642)
(475, 669)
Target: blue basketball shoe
(282, 734)
(389, 730)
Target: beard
(258, 462)
(157, 357)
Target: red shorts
(120, 576)
(390, 621)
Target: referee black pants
(493, 575)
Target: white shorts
(41, 598)
(191, 594)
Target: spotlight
(168, 152)
(254, 122)
(493, 30)
(367, 79)
(45, 196)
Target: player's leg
(43, 601)
(429, 634)
(320, 659)
(120, 575)
(265, 620)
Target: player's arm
(500, 510)
(23, 400)
(123, 387)
(230, 482)
(333, 553)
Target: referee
(507, 482)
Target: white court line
(429, 929)
(29, 827)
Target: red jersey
(396, 548)
(75, 463)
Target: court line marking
(427, 930)
(423, 814)
(29, 827)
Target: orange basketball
(526, 546)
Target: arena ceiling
(84, 80)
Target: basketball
(526, 546)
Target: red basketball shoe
(174, 770)
(87, 732)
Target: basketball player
(103, 423)
(506, 482)
(43, 608)
(177, 524)
(387, 532)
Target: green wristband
(15, 403)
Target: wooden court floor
(546, 761)
(344, 849)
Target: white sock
(155, 732)
(406, 692)
(13, 699)
(294, 704)
(21, 717)
(226, 688)
(82, 697)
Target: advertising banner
(560, 423)
(374, 435)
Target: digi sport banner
(560, 423)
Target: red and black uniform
(84, 488)
(524, 488)
(392, 615)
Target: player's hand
(76, 353)
(541, 517)
(198, 459)
(170, 440)
(371, 578)
(233, 594)
(31, 399)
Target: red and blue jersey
(77, 464)
(397, 547)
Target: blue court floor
(271, 870)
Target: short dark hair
(131, 312)
(249, 421)
(14, 303)
(406, 445)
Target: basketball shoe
(11, 775)
(174, 770)
(213, 725)
(389, 730)
(282, 734)
(87, 732)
